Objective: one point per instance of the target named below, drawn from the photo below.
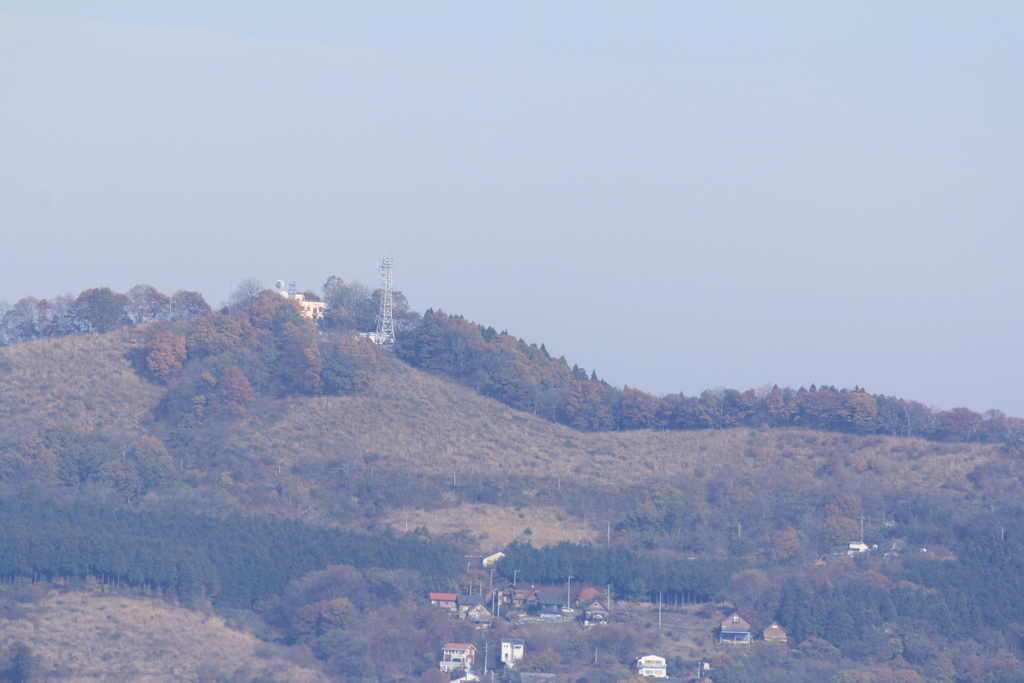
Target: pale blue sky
(683, 195)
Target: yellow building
(314, 310)
(311, 310)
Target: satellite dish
(279, 285)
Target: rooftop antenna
(385, 317)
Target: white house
(651, 665)
(511, 652)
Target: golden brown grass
(78, 637)
(422, 423)
(497, 526)
(83, 380)
(417, 423)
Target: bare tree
(246, 294)
(145, 304)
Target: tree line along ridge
(259, 344)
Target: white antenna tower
(385, 317)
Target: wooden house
(596, 612)
(523, 598)
(550, 604)
(735, 629)
(446, 600)
(473, 608)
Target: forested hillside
(151, 445)
(267, 352)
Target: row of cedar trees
(259, 344)
(238, 562)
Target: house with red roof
(457, 656)
(447, 600)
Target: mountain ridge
(421, 446)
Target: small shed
(775, 633)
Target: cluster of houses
(482, 609)
(593, 609)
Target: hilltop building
(311, 308)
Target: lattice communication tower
(385, 316)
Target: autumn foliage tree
(165, 355)
(586, 408)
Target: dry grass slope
(79, 637)
(422, 423)
(414, 422)
(82, 380)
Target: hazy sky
(681, 195)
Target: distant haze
(678, 195)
